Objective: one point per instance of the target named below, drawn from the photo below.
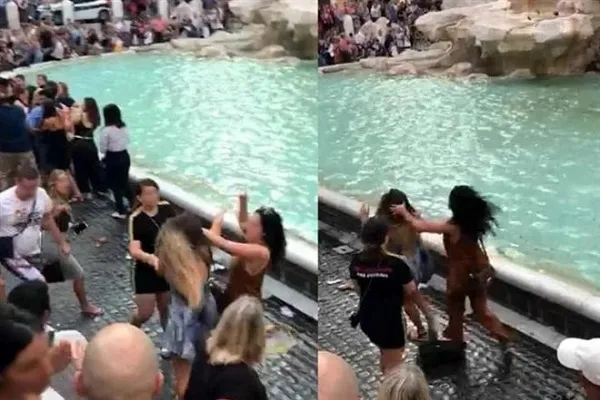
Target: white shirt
(14, 213)
(59, 50)
(113, 139)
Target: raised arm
(423, 225)
(364, 213)
(257, 255)
(243, 210)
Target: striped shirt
(113, 139)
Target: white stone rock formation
(501, 37)
(289, 23)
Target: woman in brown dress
(473, 217)
(264, 247)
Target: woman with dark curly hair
(473, 217)
(264, 247)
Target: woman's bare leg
(181, 370)
(76, 192)
(2, 290)
(390, 359)
(162, 304)
(86, 306)
(144, 309)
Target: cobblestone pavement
(533, 375)
(291, 376)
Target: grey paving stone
(534, 374)
(108, 282)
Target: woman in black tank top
(88, 170)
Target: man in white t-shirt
(24, 209)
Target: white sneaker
(118, 216)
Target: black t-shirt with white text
(380, 279)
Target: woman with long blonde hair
(59, 189)
(407, 382)
(184, 258)
(224, 370)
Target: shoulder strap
(28, 221)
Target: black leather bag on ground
(440, 352)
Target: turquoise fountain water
(216, 127)
(532, 146)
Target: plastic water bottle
(163, 9)
(67, 11)
(12, 15)
(117, 10)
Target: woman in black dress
(151, 290)
(53, 136)
(54, 149)
(86, 163)
(383, 280)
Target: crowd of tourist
(48, 161)
(41, 40)
(355, 29)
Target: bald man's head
(120, 364)
(337, 380)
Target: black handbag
(7, 245)
(483, 278)
(437, 353)
(356, 315)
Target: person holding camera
(383, 281)
(59, 187)
(469, 269)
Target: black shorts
(386, 336)
(147, 281)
